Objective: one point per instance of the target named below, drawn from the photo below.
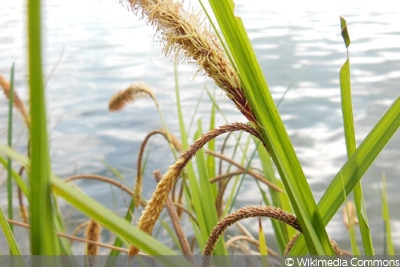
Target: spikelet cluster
(247, 212)
(93, 231)
(257, 211)
(185, 36)
(130, 94)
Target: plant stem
(43, 239)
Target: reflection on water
(94, 48)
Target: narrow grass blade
(211, 144)
(18, 179)
(16, 156)
(261, 239)
(128, 215)
(349, 133)
(116, 172)
(191, 191)
(282, 232)
(9, 142)
(239, 183)
(206, 211)
(9, 235)
(389, 247)
(271, 127)
(230, 200)
(171, 233)
(43, 239)
(263, 248)
(355, 167)
(118, 241)
(65, 244)
(345, 91)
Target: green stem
(43, 239)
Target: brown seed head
(159, 197)
(130, 94)
(185, 36)
(93, 232)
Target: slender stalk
(100, 179)
(243, 170)
(72, 237)
(175, 220)
(389, 247)
(9, 142)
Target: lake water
(95, 48)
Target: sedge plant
(198, 189)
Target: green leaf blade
(9, 235)
(389, 247)
(43, 238)
(271, 127)
(350, 137)
(347, 110)
(355, 167)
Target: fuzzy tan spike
(160, 195)
(93, 232)
(186, 37)
(130, 94)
